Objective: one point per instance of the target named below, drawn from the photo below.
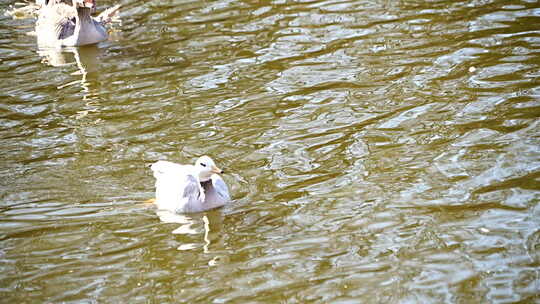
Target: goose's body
(69, 23)
(188, 188)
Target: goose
(69, 23)
(189, 188)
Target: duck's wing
(66, 28)
(163, 168)
(220, 187)
(177, 187)
(56, 22)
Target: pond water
(377, 152)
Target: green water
(377, 152)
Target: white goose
(189, 188)
(69, 23)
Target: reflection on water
(84, 58)
(376, 152)
(187, 223)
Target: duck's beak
(216, 170)
(86, 3)
(89, 3)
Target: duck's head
(206, 167)
(91, 4)
(77, 3)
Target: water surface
(378, 152)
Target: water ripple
(378, 152)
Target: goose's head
(206, 167)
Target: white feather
(179, 188)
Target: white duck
(69, 23)
(189, 188)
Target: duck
(69, 23)
(189, 188)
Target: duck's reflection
(211, 223)
(84, 58)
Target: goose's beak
(216, 170)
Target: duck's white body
(69, 23)
(187, 188)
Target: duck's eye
(203, 164)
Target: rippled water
(378, 152)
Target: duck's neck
(206, 184)
(87, 31)
(205, 176)
(81, 24)
(83, 14)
